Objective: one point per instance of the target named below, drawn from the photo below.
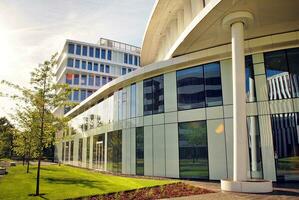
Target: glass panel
(90, 66)
(133, 100)
(130, 59)
(97, 156)
(139, 151)
(77, 64)
(91, 80)
(70, 62)
(285, 130)
(83, 95)
(76, 95)
(107, 70)
(103, 53)
(109, 54)
(97, 53)
(148, 97)
(71, 48)
(72, 151)
(104, 80)
(123, 71)
(293, 60)
(101, 68)
(158, 94)
(126, 58)
(78, 49)
(80, 151)
(98, 81)
(67, 151)
(88, 151)
(193, 150)
(190, 88)
(91, 51)
(83, 64)
(277, 75)
(84, 52)
(250, 84)
(83, 79)
(62, 152)
(95, 67)
(76, 79)
(255, 152)
(213, 84)
(114, 151)
(68, 78)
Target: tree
(6, 138)
(41, 99)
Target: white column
(239, 102)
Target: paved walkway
(280, 192)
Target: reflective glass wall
(114, 151)
(140, 151)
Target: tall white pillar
(239, 102)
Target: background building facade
(174, 116)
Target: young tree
(42, 98)
(6, 138)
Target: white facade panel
(172, 150)
(159, 150)
(148, 151)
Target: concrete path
(280, 192)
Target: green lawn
(59, 182)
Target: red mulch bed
(158, 192)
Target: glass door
(100, 155)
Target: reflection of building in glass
(179, 115)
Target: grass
(60, 182)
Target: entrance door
(100, 155)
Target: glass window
(98, 151)
(87, 151)
(70, 62)
(80, 151)
(83, 79)
(130, 59)
(114, 151)
(98, 81)
(102, 68)
(91, 52)
(83, 64)
(62, 152)
(89, 66)
(104, 80)
(139, 151)
(158, 94)
(250, 84)
(277, 75)
(83, 95)
(148, 97)
(77, 64)
(125, 58)
(213, 87)
(84, 51)
(71, 48)
(107, 69)
(76, 79)
(133, 100)
(78, 49)
(89, 92)
(129, 70)
(190, 88)
(109, 54)
(293, 61)
(69, 78)
(254, 144)
(285, 131)
(193, 150)
(90, 80)
(103, 53)
(135, 60)
(95, 67)
(123, 71)
(76, 95)
(109, 79)
(97, 53)
(67, 149)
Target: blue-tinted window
(123, 71)
(83, 79)
(130, 59)
(70, 62)
(129, 70)
(83, 95)
(83, 64)
(78, 49)
(89, 66)
(114, 151)
(104, 80)
(126, 58)
(135, 60)
(109, 79)
(71, 48)
(98, 80)
(77, 63)
(102, 68)
(107, 69)
(193, 150)
(213, 87)
(96, 67)
(190, 88)
(293, 61)
(97, 53)
(140, 151)
(91, 52)
(68, 78)
(148, 97)
(84, 51)
(103, 53)
(76, 95)
(90, 80)
(76, 79)
(89, 92)
(250, 84)
(109, 54)
(138, 61)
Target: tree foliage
(6, 138)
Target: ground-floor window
(62, 152)
(67, 149)
(87, 151)
(80, 150)
(114, 151)
(193, 150)
(98, 151)
(72, 151)
(254, 144)
(285, 130)
(140, 151)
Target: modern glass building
(87, 67)
(211, 101)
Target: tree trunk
(23, 160)
(28, 162)
(37, 177)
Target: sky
(33, 30)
